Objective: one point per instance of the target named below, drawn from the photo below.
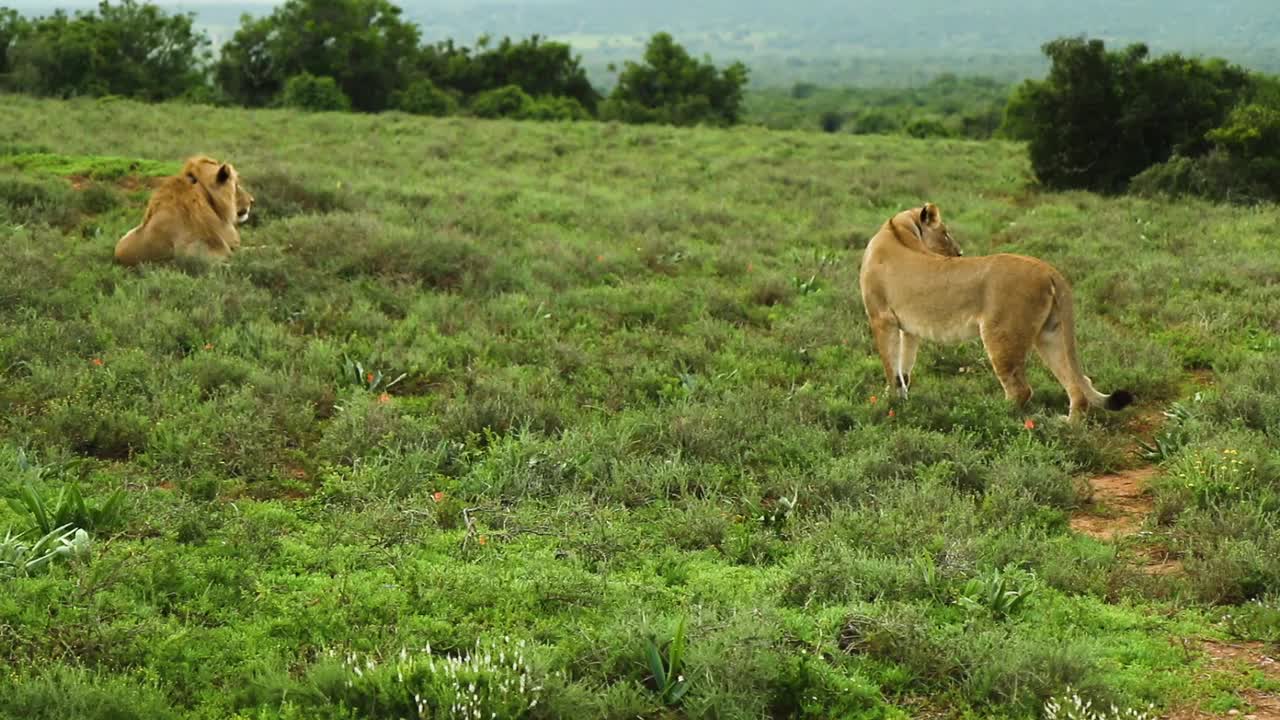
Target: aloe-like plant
(69, 508)
(19, 558)
(1169, 441)
(994, 595)
(369, 379)
(667, 666)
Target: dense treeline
(1108, 121)
(349, 54)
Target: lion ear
(224, 174)
(929, 214)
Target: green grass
(637, 393)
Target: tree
(12, 26)
(1251, 140)
(364, 45)
(673, 88)
(1102, 117)
(249, 71)
(130, 49)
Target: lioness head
(244, 202)
(934, 232)
(222, 182)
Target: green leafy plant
(667, 667)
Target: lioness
(193, 213)
(917, 284)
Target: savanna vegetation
(583, 420)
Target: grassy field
(584, 420)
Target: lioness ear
(192, 178)
(224, 174)
(929, 214)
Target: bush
(508, 101)
(1243, 166)
(316, 94)
(927, 128)
(422, 97)
(557, 108)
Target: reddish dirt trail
(1115, 511)
(1117, 505)
(1241, 662)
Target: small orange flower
(482, 540)
(599, 258)
(97, 362)
(368, 377)
(208, 346)
(438, 496)
(892, 414)
(1029, 424)
(874, 399)
(384, 398)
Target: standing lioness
(916, 284)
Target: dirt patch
(1157, 560)
(1116, 506)
(1240, 660)
(1253, 655)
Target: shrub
(422, 97)
(316, 94)
(508, 101)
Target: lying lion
(192, 214)
(916, 284)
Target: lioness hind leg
(128, 248)
(888, 340)
(1008, 354)
(909, 345)
(1052, 348)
